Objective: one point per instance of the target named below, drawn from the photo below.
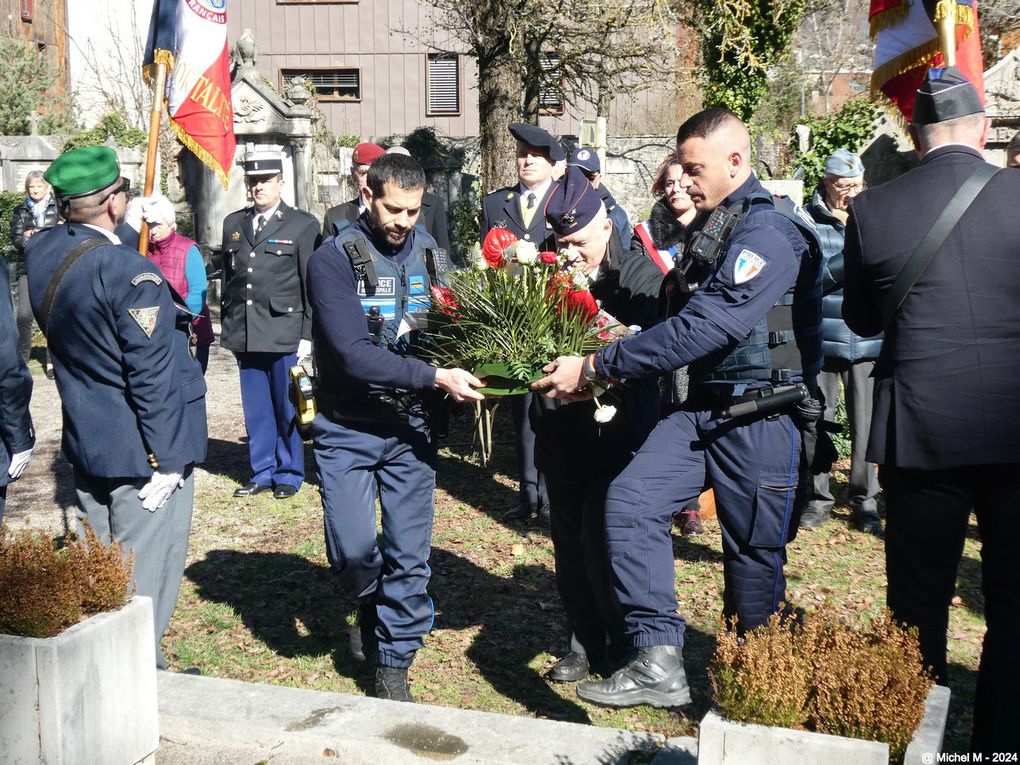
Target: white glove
(159, 488)
(304, 349)
(155, 208)
(18, 463)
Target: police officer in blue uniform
(373, 433)
(587, 161)
(133, 395)
(266, 320)
(754, 325)
(17, 437)
(519, 209)
(579, 456)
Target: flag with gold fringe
(190, 37)
(907, 45)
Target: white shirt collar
(268, 213)
(105, 232)
(539, 191)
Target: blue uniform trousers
(274, 445)
(355, 461)
(754, 466)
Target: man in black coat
(520, 210)
(580, 456)
(17, 438)
(267, 320)
(947, 402)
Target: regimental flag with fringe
(907, 45)
(190, 37)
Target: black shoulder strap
(61, 272)
(933, 240)
(362, 263)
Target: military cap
(536, 137)
(586, 159)
(573, 203)
(367, 153)
(83, 171)
(844, 164)
(944, 95)
(263, 162)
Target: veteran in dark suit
(17, 438)
(947, 389)
(132, 395)
(520, 209)
(433, 212)
(267, 320)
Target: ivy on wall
(847, 129)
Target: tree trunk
(499, 104)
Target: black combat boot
(362, 632)
(391, 683)
(654, 676)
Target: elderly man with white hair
(181, 262)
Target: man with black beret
(519, 210)
(580, 457)
(946, 401)
(133, 396)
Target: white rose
(526, 253)
(604, 414)
(580, 279)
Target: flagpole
(947, 32)
(158, 89)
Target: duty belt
(390, 410)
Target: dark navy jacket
(837, 340)
(502, 209)
(128, 384)
(722, 312)
(345, 355)
(946, 381)
(16, 434)
(265, 307)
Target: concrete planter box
(722, 741)
(87, 695)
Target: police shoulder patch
(148, 276)
(145, 318)
(747, 266)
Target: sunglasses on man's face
(124, 186)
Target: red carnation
(496, 241)
(549, 258)
(583, 302)
(444, 301)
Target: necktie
(529, 210)
(260, 221)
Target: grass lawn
(257, 603)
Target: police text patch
(747, 266)
(145, 318)
(148, 276)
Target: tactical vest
(787, 342)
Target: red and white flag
(907, 45)
(190, 37)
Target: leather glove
(159, 488)
(19, 461)
(304, 349)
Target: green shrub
(847, 129)
(824, 675)
(8, 201)
(44, 590)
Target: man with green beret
(133, 396)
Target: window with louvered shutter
(443, 83)
(550, 95)
(327, 84)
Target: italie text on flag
(907, 45)
(190, 37)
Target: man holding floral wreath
(750, 331)
(580, 456)
(373, 433)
